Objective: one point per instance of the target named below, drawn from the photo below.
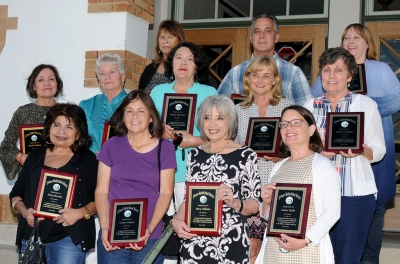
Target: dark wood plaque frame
(302, 224)
(361, 79)
(69, 199)
(250, 128)
(237, 98)
(21, 132)
(217, 230)
(360, 128)
(192, 108)
(106, 132)
(143, 202)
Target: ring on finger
(64, 224)
(226, 193)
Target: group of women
(139, 161)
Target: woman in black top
(170, 33)
(72, 233)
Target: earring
(159, 51)
(348, 85)
(48, 138)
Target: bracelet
(13, 205)
(241, 206)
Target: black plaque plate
(203, 212)
(30, 137)
(178, 111)
(56, 191)
(344, 131)
(289, 210)
(359, 82)
(263, 136)
(127, 221)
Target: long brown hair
(117, 119)
(171, 27)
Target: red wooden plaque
(179, 110)
(203, 212)
(127, 221)
(56, 191)
(288, 212)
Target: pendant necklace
(214, 153)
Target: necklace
(44, 110)
(214, 153)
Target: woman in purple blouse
(128, 168)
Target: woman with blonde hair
(263, 98)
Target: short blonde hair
(259, 64)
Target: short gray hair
(225, 106)
(110, 58)
(265, 15)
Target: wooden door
(238, 43)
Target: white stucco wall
(162, 11)
(59, 32)
(341, 14)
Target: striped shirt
(342, 164)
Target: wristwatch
(87, 213)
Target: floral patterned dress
(238, 170)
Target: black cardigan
(82, 163)
(146, 76)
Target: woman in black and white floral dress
(221, 159)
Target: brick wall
(134, 66)
(140, 8)
(6, 215)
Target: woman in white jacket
(349, 235)
(304, 166)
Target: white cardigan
(361, 171)
(327, 198)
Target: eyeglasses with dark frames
(293, 123)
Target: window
(374, 8)
(200, 11)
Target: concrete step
(390, 253)
(8, 254)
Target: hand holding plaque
(203, 212)
(344, 131)
(127, 222)
(288, 212)
(178, 111)
(56, 191)
(263, 136)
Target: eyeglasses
(168, 37)
(293, 123)
(177, 140)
